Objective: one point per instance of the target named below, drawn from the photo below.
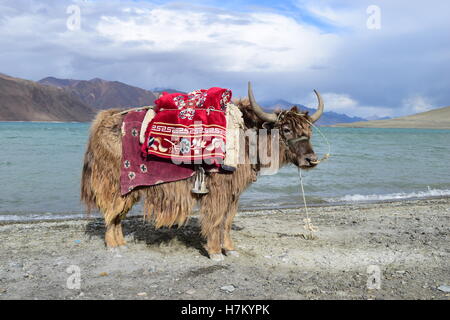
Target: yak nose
(312, 160)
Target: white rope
(328, 154)
(308, 224)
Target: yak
(170, 204)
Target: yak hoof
(216, 257)
(232, 253)
(123, 248)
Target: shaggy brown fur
(171, 203)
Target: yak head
(294, 131)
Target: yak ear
(294, 109)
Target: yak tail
(87, 194)
(104, 143)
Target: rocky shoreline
(395, 250)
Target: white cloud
(250, 42)
(344, 103)
(416, 104)
(324, 45)
(341, 17)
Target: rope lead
(308, 224)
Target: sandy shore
(407, 241)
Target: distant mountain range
(53, 99)
(168, 90)
(102, 94)
(24, 100)
(433, 119)
(328, 117)
(377, 118)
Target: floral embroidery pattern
(187, 114)
(179, 102)
(226, 97)
(185, 146)
(151, 141)
(197, 98)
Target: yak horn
(267, 117)
(320, 108)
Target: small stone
(341, 294)
(16, 265)
(401, 271)
(190, 291)
(228, 289)
(152, 269)
(142, 294)
(308, 289)
(444, 288)
(103, 274)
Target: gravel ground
(406, 243)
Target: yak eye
(286, 130)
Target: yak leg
(213, 245)
(212, 214)
(212, 230)
(113, 219)
(110, 236)
(118, 233)
(218, 209)
(113, 228)
(215, 207)
(228, 245)
(114, 235)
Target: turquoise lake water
(40, 167)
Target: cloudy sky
(376, 57)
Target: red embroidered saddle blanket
(138, 170)
(189, 128)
